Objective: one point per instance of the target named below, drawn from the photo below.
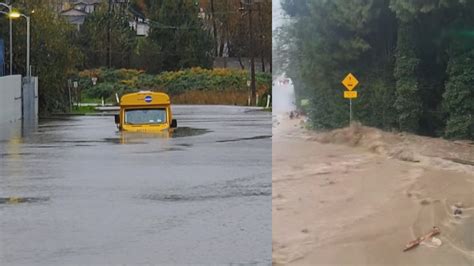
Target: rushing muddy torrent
(359, 195)
(446, 199)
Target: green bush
(111, 81)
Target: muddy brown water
(194, 197)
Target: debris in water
(416, 242)
(457, 212)
(14, 200)
(436, 241)
(433, 243)
(457, 209)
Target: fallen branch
(420, 239)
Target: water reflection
(11, 139)
(18, 129)
(139, 137)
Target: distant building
(76, 12)
(87, 6)
(139, 22)
(75, 17)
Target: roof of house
(136, 13)
(87, 2)
(74, 13)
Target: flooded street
(79, 192)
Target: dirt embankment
(357, 195)
(435, 152)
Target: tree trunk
(241, 64)
(214, 29)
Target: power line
(160, 25)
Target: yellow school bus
(145, 111)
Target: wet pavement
(76, 191)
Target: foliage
(408, 102)
(459, 96)
(412, 58)
(147, 56)
(53, 52)
(111, 81)
(94, 42)
(178, 33)
(179, 39)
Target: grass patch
(83, 110)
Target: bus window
(145, 116)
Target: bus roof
(145, 98)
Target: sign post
(350, 82)
(350, 111)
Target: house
(87, 6)
(75, 17)
(139, 22)
(76, 11)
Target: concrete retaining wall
(10, 99)
(30, 99)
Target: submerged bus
(145, 111)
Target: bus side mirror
(174, 123)
(117, 119)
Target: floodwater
(283, 96)
(76, 191)
(358, 195)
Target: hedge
(111, 81)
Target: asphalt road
(76, 191)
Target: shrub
(175, 83)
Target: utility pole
(11, 44)
(261, 37)
(248, 5)
(28, 38)
(214, 29)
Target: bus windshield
(145, 116)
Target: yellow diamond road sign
(350, 82)
(350, 94)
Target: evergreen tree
(459, 95)
(178, 31)
(408, 102)
(413, 60)
(94, 42)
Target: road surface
(76, 192)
